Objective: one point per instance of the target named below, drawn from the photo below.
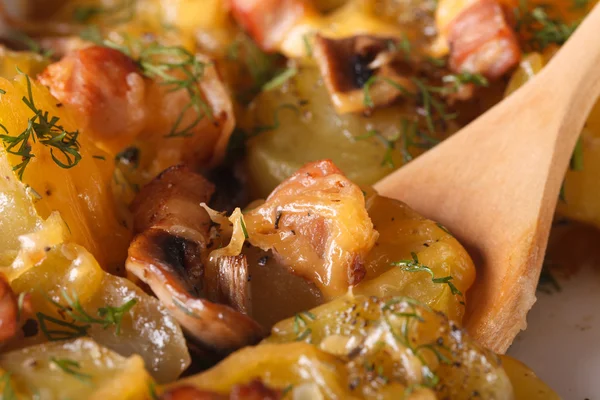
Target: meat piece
(115, 103)
(255, 390)
(104, 88)
(482, 41)
(348, 64)
(169, 254)
(269, 21)
(316, 223)
(479, 35)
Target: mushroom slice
(233, 283)
(348, 64)
(168, 254)
(479, 36)
(317, 225)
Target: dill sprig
(107, 316)
(542, 29)
(257, 130)
(458, 80)
(301, 322)
(389, 143)
(71, 367)
(44, 128)
(243, 225)
(415, 266)
(280, 79)
(403, 337)
(178, 69)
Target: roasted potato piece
(365, 347)
(74, 369)
(417, 258)
(297, 123)
(526, 384)
(71, 296)
(80, 191)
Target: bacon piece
(104, 88)
(316, 223)
(255, 390)
(114, 104)
(169, 254)
(482, 40)
(268, 21)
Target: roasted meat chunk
(317, 225)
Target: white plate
(562, 340)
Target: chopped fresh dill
(152, 391)
(276, 122)
(463, 78)
(44, 128)
(243, 225)
(71, 367)
(107, 316)
(31, 44)
(542, 29)
(368, 101)
(388, 143)
(301, 329)
(415, 266)
(178, 69)
(63, 331)
(442, 227)
(280, 79)
(99, 158)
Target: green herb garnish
(43, 128)
(107, 316)
(415, 266)
(280, 79)
(71, 367)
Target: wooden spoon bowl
(495, 184)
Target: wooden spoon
(495, 183)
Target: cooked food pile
(185, 198)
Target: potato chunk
(75, 369)
(82, 193)
(359, 347)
